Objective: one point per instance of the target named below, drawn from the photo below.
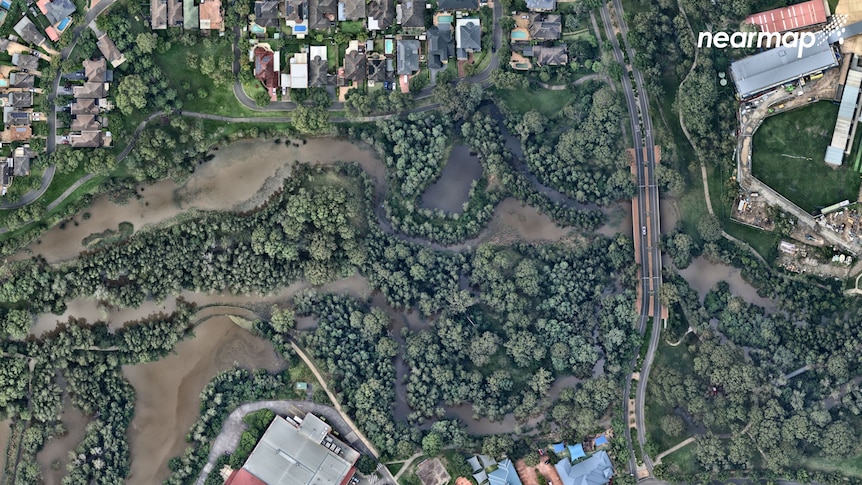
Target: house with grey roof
(159, 14)
(351, 10)
(413, 13)
(451, 5)
(541, 5)
(505, 474)
(376, 67)
(25, 62)
(22, 80)
(322, 13)
(295, 10)
(20, 99)
(57, 10)
(407, 56)
(468, 37)
(354, 66)
(266, 13)
(550, 56)
(13, 117)
(21, 158)
(774, 67)
(28, 31)
(440, 45)
(545, 26)
(317, 67)
(595, 470)
(381, 14)
(176, 13)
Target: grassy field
(544, 101)
(806, 132)
(681, 459)
(667, 356)
(849, 466)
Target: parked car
(643, 230)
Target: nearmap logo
(798, 40)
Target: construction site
(752, 210)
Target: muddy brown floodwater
(240, 176)
(452, 189)
(703, 275)
(168, 391)
(5, 432)
(57, 450)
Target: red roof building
(794, 17)
(266, 67)
(243, 477)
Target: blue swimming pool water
(257, 29)
(5, 4)
(299, 28)
(518, 34)
(64, 23)
(445, 19)
(387, 46)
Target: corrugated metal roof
(790, 18)
(846, 118)
(771, 68)
(834, 156)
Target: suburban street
(649, 254)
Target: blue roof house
(505, 474)
(595, 470)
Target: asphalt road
(649, 254)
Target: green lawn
(544, 101)
(848, 467)
(681, 460)
(806, 132)
(352, 27)
(667, 356)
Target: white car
(643, 230)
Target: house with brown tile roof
(267, 65)
(381, 14)
(85, 123)
(96, 70)
(159, 14)
(110, 51)
(412, 13)
(87, 139)
(351, 10)
(550, 56)
(87, 106)
(211, 15)
(16, 133)
(176, 15)
(90, 90)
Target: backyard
(788, 152)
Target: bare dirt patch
(432, 472)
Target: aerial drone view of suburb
(431, 242)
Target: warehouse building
(298, 451)
(848, 115)
(774, 67)
(800, 16)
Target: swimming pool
(387, 46)
(5, 4)
(64, 23)
(299, 28)
(446, 19)
(521, 65)
(519, 34)
(257, 29)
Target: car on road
(643, 230)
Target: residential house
(191, 15)
(13, 117)
(376, 67)
(299, 70)
(6, 172)
(544, 26)
(85, 123)
(407, 57)
(440, 46)
(85, 106)
(86, 139)
(16, 134)
(451, 5)
(595, 470)
(381, 14)
(317, 66)
(28, 31)
(412, 14)
(25, 62)
(159, 14)
(22, 80)
(210, 16)
(295, 10)
(90, 90)
(468, 37)
(355, 66)
(322, 14)
(505, 474)
(20, 99)
(96, 70)
(21, 158)
(267, 65)
(57, 10)
(266, 14)
(110, 51)
(176, 13)
(351, 10)
(542, 5)
(550, 56)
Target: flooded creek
(168, 391)
(703, 275)
(452, 189)
(52, 459)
